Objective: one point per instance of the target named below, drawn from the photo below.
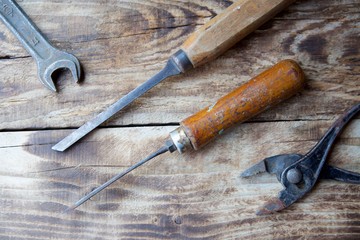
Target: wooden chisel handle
(229, 27)
(262, 92)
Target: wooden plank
(197, 195)
(122, 43)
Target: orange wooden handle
(267, 89)
(229, 27)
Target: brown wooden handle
(267, 89)
(229, 27)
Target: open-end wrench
(47, 57)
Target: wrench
(47, 57)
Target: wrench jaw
(60, 60)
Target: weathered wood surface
(196, 195)
(121, 44)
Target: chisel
(207, 43)
(267, 89)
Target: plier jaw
(299, 173)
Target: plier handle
(299, 173)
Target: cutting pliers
(299, 173)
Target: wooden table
(191, 196)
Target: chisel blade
(205, 44)
(171, 69)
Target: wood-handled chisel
(207, 43)
(267, 89)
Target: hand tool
(299, 173)
(47, 57)
(207, 43)
(269, 88)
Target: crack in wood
(4, 58)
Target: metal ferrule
(180, 140)
(182, 61)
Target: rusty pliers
(299, 173)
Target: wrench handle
(229, 27)
(25, 30)
(262, 92)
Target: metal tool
(269, 88)
(48, 58)
(299, 173)
(207, 43)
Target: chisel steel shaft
(204, 45)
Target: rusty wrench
(47, 57)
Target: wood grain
(121, 44)
(190, 196)
(275, 85)
(229, 27)
(197, 195)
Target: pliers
(299, 173)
